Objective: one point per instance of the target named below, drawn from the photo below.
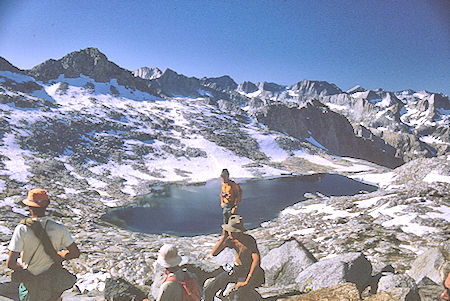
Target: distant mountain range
(93, 101)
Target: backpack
(238, 188)
(191, 291)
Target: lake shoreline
(192, 197)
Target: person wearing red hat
(25, 244)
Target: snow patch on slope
(435, 176)
(15, 164)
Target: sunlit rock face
(331, 130)
(148, 73)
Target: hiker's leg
(23, 293)
(226, 214)
(246, 293)
(34, 292)
(219, 282)
(57, 297)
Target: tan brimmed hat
(37, 197)
(234, 224)
(168, 256)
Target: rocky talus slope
(324, 228)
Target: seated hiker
(247, 272)
(230, 195)
(179, 283)
(34, 251)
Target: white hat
(168, 256)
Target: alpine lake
(194, 209)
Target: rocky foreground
(394, 241)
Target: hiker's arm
(221, 244)
(222, 203)
(71, 252)
(12, 263)
(255, 263)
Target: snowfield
(96, 105)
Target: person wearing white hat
(168, 256)
(177, 279)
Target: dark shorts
(226, 213)
(221, 281)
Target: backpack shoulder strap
(191, 286)
(171, 278)
(28, 222)
(43, 237)
(180, 283)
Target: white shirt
(24, 241)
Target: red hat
(37, 197)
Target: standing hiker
(39, 240)
(247, 272)
(179, 284)
(230, 196)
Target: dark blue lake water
(189, 210)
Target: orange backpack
(191, 291)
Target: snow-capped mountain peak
(148, 73)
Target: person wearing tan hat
(26, 245)
(247, 272)
(178, 280)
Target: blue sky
(392, 45)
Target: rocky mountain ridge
(415, 124)
(314, 119)
(92, 63)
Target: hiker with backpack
(230, 196)
(39, 240)
(179, 284)
(246, 272)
